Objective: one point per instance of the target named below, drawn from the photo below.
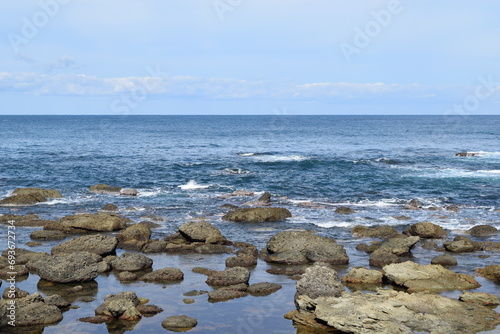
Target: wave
(458, 173)
(192, 185)
(236, 171)
(252, 154)
(281, 158)
(149, 192)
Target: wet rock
(242, 193)
(399, 245)
(242, 260)
(491, 272)
(343, 210)
(89, 222)
(445, 260)
(120, 306)
(390, 311)
(98, 244)
(265, 198)
(263, 289)
(225, 294)
(481, 298)
(29, 196)
(48, 193)
(469, 154)
(401, 217)
(383, 232)
(30, 311)
(98, 319)
(110, 208)
(432, 278)
(286, 271)
(57, 300)
(134, 237)
(490, 246)
(288, 257)
(413, 204)
(67, 267)
(23, 256)
(179, 322)
(154, 246)
(19, 220)
(131, 262)
(127, 276)
(461, 245)
(333, 254)
(203, 271)
(129, 192)
(104, 189)
(33, 244)
(257, 215)
(229, 206)
(426, 230)
(383, 257)
(164, 275)
(483, 231)
(362, 276)
(47, 235)
(9, 293)
(188, 301)
(201, 232)
(148, 310)
(69, 291)
(452, 208)
(229, 276)
(193, 293)
(212, 249)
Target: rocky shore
(394, 292)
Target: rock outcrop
(426, 230)
(67, 267)
(257, 215)
(84, 223)
(98, 244)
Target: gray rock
(127, 276)
(229, 276)
(129, 192)
(343, 210)
(98, 244)
(483, 231)
(362, 276)
(383, 257)
(148, 310)
(265, 198)
(241, 260)
(224, 294)
(333, 254)
(57, 300)
(89, 222)
(444, 260)
(47, 235)
(67, 267)
(110, 208)
(154, 246)
(178, 322)
(399, 245)
(134, 237)
(257, 215)
(29, 196)
(383, 232)
(164, 275)
(212, 249)
(201, 232)
(131, 262)
(320, 280)
(460, 245)
(105, 189)
(426, 230)
(288, 257)
(30, 311)
(263, 289)
(15, 293)
(120, 306)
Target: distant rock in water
(104, 189)
(129, 192)
(344, 210)
(29, 196)
(469, 154)
(257, 215)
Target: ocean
(182, 165)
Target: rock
(229, 276)
(18, 219)
(47, 193)
(148, 310)
(432, 278)
(288, 257)
(56, 300)
(110, 208)
(263, 289)
(343, 210)
(265, 198)
(286, 271)
(383, 232)
(413, 205)
(131, 262)
(127, 276)
(22, 200)
(399, 245)
(257, 215)
(188, 301)
(201, 232)
(460, 245)
(426, 230)
(67, 267)
(483, 231)
(444, 260)
(383, 257)
(134, 237)
(469, 154)
(491, 272)
(320, 280)
(164, 275)
(121, 306)
(229, 206)
(241, 260)
(129, 192)
(212, 249)
(154, 246)
(177, 322)
(193, 293)
(242, 193)
(20, 270)
(452, 208)
(47, 235)
(98, 319)
(102, 245)
(362, 276)
(392, 312)
(9, 293)
(104, 189)
(90, 222)
(203, 271)
(30, 311)
(70, 291)
(401, 217)
(224, 294)
(481, 298)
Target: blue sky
(122, 57)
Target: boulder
(22, 200)
(47, 193)
(102, 245)
(426, 230)
(227, 293)
(126, 276)
(131, 262)
(483, 231)
(90, 222)
(110, 208)
(104, 189)
(491, 272)
(67, 267)
(445, 260)
(481, 298)
(120, 306)
(129, 192)
(413, 204)
(18, 219)
(320, 280)
(257, 215)
(9, 293)
(179, 323)
(148, 310)
(344, 210)
(154, 246)
(383, 232)
(461, 244)
(362, 276)
(134, 237)
(47, 235)
(288, 257)
(57, 300)
(30, 311)
(392, 312)
(164, 275)
(383, 257)
(399, 245)
(201, 232)
(242, 260)
(265, 198)
(432, 278)
(229, 276)
(263, 289)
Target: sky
(286, 57)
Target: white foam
(278, 158)
(149, 192)
(250, 154)
(236, 171)
(192, 185)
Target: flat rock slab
(257, 215)
(432, 278)
(98, 244)
(68, 267)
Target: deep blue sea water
(182, 164)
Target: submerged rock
(134, 237)
(110, 208)
(444, 260)
(344, 210)
(164, 275)
(179, 323)
(257, 215)
(263, 289)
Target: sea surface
(182, 165)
